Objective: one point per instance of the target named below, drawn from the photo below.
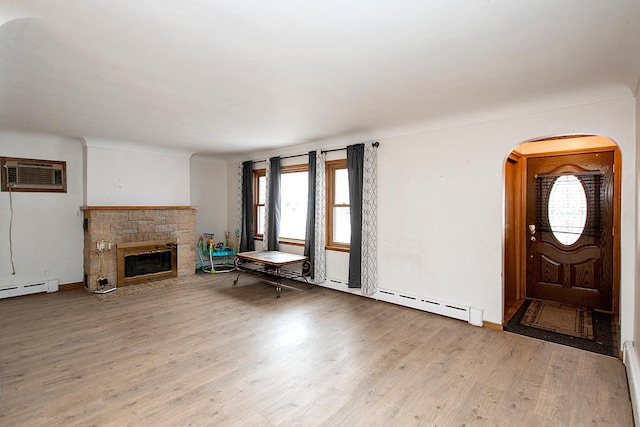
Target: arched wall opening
(517, 234)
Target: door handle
(532, 229)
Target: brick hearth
(127, 224)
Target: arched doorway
(562, 210)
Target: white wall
(636, 332)
(209, 194)
(440, 203)
(124, 174)
(47, 227)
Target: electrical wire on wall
(13, 267)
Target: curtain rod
(375, 144)
(283, 157)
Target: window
(293, 202)
(567, 209)
(259, 198)
(294, 189)
(338, 207)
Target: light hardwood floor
(203, 352)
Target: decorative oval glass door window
(567, 209)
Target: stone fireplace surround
(129, 224)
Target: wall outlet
(45, 272)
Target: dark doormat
(604, 331)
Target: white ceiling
(221, 77)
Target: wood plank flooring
(202, 352)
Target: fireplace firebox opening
(147, 261)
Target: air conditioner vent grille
(33, 175)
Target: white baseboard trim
(630, 360)
(469, 314)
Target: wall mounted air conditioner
(33, 175)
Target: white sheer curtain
(265, 231)
(370, 221)
(239, 196)
(319, 267)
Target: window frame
(302, 167)
(257, 173)
(330, 168)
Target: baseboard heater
(630, 360)
(28, 288)
(456, 311)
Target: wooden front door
(569, 229)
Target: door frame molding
(521, 211)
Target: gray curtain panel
(310, 233)
(355, 168)
(246, 236)
(274, 204)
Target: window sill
(293, 242)
(285, 241)
(338, 248)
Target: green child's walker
(206, 246)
